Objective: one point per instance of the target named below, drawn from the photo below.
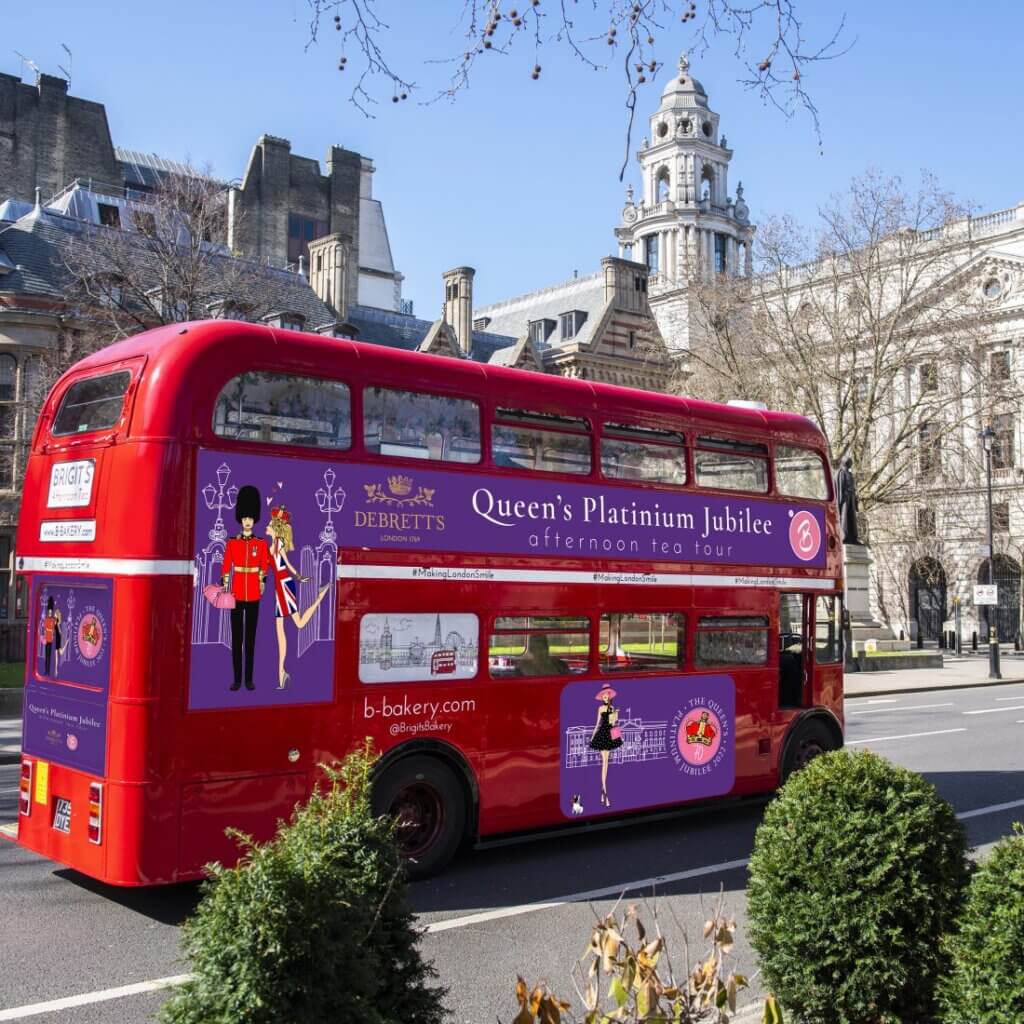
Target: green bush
(987, 980)
(310, 927)
(858, 870)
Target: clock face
(662, 130)
(993, 288)
(629, 214)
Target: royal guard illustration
(48, 631)
(702, 731)
(286, 604)
(244, 573)
(607, 736)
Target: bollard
(974, 639)
(902, 637)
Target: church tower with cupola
(686, 226)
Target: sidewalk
(966, 671)
(10, 740)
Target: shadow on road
(549, 868)
(167, 904)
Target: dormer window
(110, 215)
(570, 323)
(540, 330)
(286, 321)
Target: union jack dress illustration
(285, 601)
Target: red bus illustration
(545, 601)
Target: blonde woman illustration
(286, 604)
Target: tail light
(25, 789)
(95, 813)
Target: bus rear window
(95, 403)
(280, 408)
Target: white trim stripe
(106, 566)
(482, 574)
(451, 574)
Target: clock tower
(685, 226)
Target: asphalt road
(524, 909)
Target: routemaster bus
(548, 603)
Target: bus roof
(196, 359)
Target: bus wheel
(427, 802)
(811, 739)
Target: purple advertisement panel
(634, 743)
(263, 607)
(415, 508)
(65, 717)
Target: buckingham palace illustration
(641, 741)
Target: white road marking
(906, 707)
(1009, 698)
(991, 809)
(989, 711)
(904, 736)
(588, 894)
(70, 1002)
(9, 829)
(874, 700)
(142, 987)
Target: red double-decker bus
(547, 602)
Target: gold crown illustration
(399, 484)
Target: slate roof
(512, 316)
(34, 243)
(400, 330)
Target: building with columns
(686, 224)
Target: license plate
(62, 815)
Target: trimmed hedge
(987, 981)
(858, 870)
(310, 927)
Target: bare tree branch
(589, 32)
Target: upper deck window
(418, 426)
(636, 453)
(92, 404)
(800, 473)
(538, 441)
(279, 408)
(730, 465)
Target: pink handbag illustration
(218, 597)
(616, 733)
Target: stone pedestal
(863, 625)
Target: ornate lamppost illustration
(216, 498)
(330, 501)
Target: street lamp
(988, 436)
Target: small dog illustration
(577, 804)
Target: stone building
(50, 140)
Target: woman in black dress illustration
(606, 736)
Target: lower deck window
(732, 640)
(643, 642)
(535, 645)
(404, 647)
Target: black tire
(808, 741)
(429, 803)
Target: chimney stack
(329, 270)
(458, 305)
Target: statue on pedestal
(846, 498)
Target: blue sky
(520, 178)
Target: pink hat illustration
(606, 694)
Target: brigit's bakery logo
(401, 510)
(804, 535)
(398, 493)
(701, 737)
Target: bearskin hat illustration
(248, 504)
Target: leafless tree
(871, 325)
(767, 37)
